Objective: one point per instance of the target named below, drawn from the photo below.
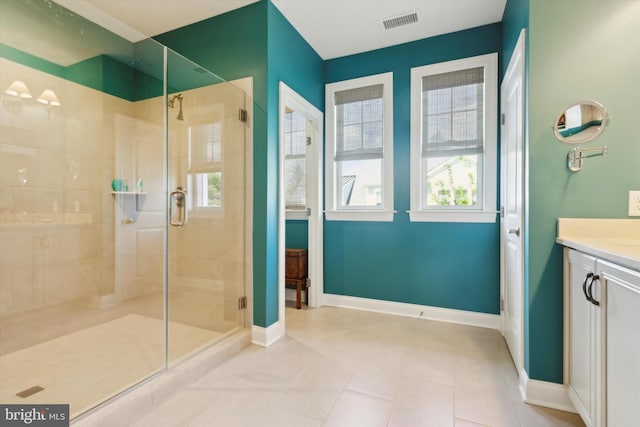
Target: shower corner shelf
(130, 205)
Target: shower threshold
(92, 365)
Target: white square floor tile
(340, 367)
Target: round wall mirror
(580, 123)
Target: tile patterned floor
(340, 367)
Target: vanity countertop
(615, 240)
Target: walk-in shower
(97, 291)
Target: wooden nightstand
(296, 273)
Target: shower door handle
(179, 197)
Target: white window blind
(205, 147)
(453, 113)
(295, 145)
(359, 123)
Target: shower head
(172, 101)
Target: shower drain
(31, 390)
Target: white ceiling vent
(400, 20)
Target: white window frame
(385, 211)
(486, 212)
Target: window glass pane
(359, 130)
(452, 113)
(208, 190)
(372, 110)
(294, 181)
(438, 101)
(438, 128)
(465, 125)
(464, 97)
(450, 181)
(372, 135)
(294, 162)
(351, 113)
(360, 183)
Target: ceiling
(333, 28)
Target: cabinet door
(622, 287)
(582, 321)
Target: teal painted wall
(449, 265)
(293, 61)
(257, 41)
(296, 234)
(234, 45)
(515, 18)
(594, 56)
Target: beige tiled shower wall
(56, 207)
(64, 237)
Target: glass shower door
(207, 189)
(82, 245)
(97, 291)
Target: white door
(512, 139)
(290, 101)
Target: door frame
(516, 65)
(289, 98)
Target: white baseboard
(483, 320)
(264, 337)
(290, 295)
(547, 394)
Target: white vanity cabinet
(622, 350)
(583, 318)
(602, 346)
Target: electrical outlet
(634, 203)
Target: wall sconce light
(19, 91)
(18, 88)
(49, 98)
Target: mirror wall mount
(577, 154)
(578, 124)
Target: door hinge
(308, 282)
(502, 118)
(308, 140)
(308, 211)
(501, 304)
(243, 115)
(501, 211)
(242, 303)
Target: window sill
(296, 215)
(360, 215)
(453, 216)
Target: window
(360, 149)
(208, 190)
(295, 146)
(454, 140)
(205, 167)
